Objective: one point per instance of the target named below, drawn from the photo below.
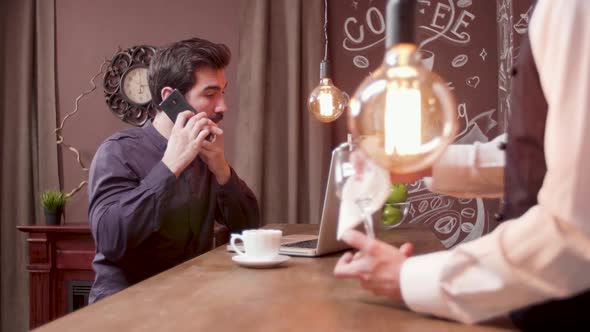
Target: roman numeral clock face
(135, 85)
(125, 85)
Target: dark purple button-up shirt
(144, 220)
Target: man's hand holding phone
(174, 104)
(187, 140)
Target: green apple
(391, 215)
(398, 194)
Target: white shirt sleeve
(470, 170)
(545, 253)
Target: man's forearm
(473, 170)
(129, 213)
(223, 174)
(238, 204)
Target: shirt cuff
(420, 284)
(475, 170)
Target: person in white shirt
(542, 255)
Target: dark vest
(524, 173)
(525, 157)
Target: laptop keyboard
(307, 244)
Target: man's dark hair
(175, 64)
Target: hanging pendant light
(404, 114)
(326, 102)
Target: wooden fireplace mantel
(60, 264)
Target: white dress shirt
(544, 254)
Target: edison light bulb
(326, 102)
(403, 114)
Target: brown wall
(461, 38)
(89, 31)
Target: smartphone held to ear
(174, 104)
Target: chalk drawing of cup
(427, 58)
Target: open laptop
(325, 242)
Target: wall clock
(125, 85)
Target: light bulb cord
(325, 30)
(399, 21)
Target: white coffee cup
(258, 243)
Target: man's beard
(216, 117)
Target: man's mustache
(216, 117)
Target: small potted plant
(53, 202)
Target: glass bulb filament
(403, 119)
(326, 103)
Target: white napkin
(371, 189)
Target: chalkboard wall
(472, 45)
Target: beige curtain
(282, 151)
(28, 149)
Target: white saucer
(258, 262)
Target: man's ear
(165, 92)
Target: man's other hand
(213, 154)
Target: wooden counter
(212, 293)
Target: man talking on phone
(155, 192)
